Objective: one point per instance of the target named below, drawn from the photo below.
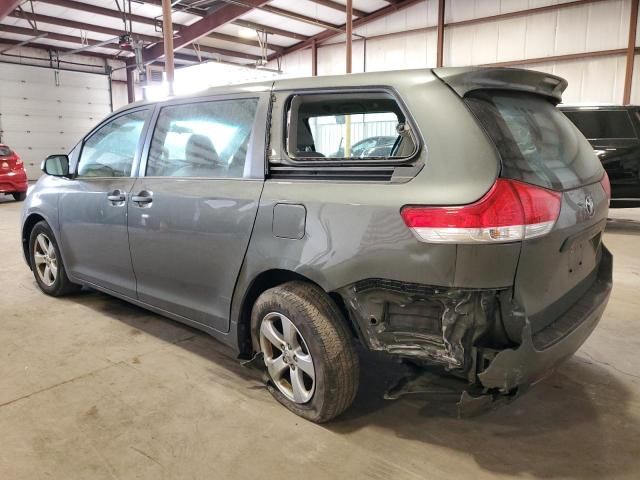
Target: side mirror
(56, 165)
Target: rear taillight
(606, 186)
(510, 211)
(17, 165)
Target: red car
(13, 178)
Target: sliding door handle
(142, 198)
(116, 196)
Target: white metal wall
(409, 41)
(45, 111)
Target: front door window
(109, 152)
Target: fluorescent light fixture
(199, 77)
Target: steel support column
(631, 47)
(349, 31)
(440, 46)
(131, 88)
(167, 32)
(314, 58)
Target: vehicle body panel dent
(421, 323)
(538, 353)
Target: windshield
(536, 142)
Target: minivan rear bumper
(538, 354)
(458, 331)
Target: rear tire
(318, 364)
(19, 196)
(46, 262)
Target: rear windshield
(4, 151)
(602, 123)
(536, 142)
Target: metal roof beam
(107, 12)
(244, 41)
(191, 56)
(203, 27)
(239, 22)
(339, 6)
(268, 29)
(63, 22)
(296, 16)
(56, 36)
(8, 6)
(329, 33)
(115, 32)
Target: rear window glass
(4, 151)
(536, 142)
(348, 126)
(602, 123)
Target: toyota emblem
(589, 205)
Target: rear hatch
(538, 145)
(9, 160)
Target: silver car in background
(471, 248)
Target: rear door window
(348, 126)
(205, 139)
(598, 124)
(536, 142)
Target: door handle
(142, 198)
(116, 196)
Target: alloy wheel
(287, 358)
(46, 262)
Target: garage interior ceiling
(70, 23)
(592, 43)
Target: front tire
(46, 262)
(308, 350)
(19, 196)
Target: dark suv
(472, 248)
(614, 134)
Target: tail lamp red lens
(18, 162)
(510, 211)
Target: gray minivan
(472, 248)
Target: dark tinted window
(602, 123)
(536, 142)
(4, 151)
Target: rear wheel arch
(263, 282)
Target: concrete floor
(92, 388)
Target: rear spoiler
(466, 79)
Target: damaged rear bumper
(459, 331)
(538, 353)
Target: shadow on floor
(623, 226)
(575, 424)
